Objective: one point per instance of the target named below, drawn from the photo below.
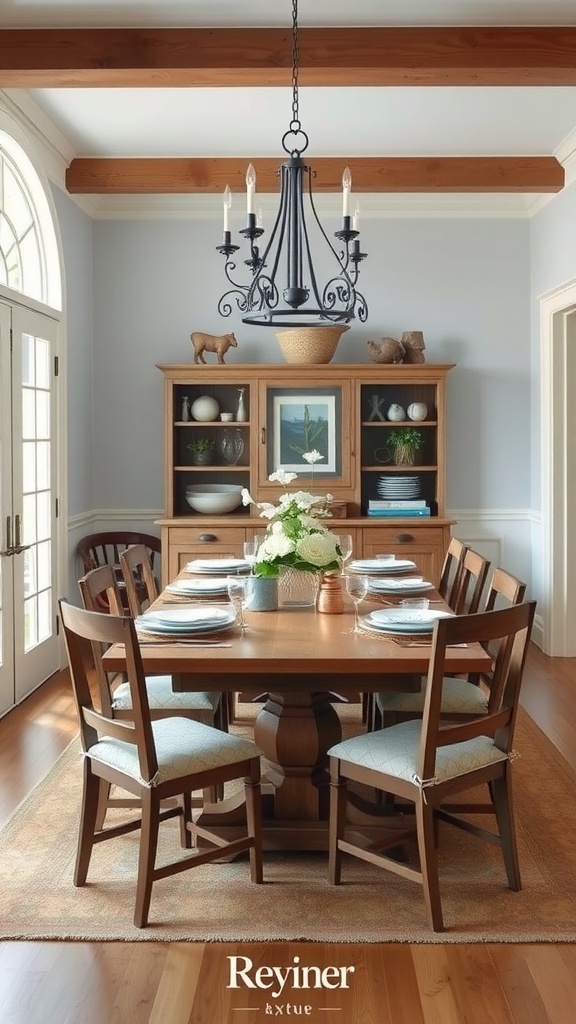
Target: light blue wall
(464, 283)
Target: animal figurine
(413, 342)
(388, 350)
(211, 343)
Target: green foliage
(201, 445)
(405, 437)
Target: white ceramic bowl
(214, 498)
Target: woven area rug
(218, 902)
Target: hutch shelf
(339, 409)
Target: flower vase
(296, 588)
(330, 597)
(262, 594)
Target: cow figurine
(211, 343)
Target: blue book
(398, 513)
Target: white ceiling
(409, 121)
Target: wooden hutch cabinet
(340, 409)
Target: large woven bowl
(310, 344)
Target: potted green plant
(403, 444)
(202, 449)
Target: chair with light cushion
(142, 591)
(152, 760)
(451, 571)
(425, 761)
(461, 698)
(98, 589)
(473, 576)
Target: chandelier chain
(295, 123)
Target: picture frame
(302, 420)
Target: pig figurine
(211, 343)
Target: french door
(29, 647)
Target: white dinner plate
(185, 620)
(194, 587)
(405, 620)
(377, 565)
(223, 566)
(392, 586)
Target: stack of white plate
(403, 620)
(185, 621)
(210, 587)
(378, 566)
(218, 566)
(409, 585)
(399, 488)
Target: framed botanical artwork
(301, 420)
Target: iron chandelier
(288, 253)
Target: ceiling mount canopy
(284, 290)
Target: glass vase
(297, 589)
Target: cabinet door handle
(207, 538)
(263, 436)
(403, 538)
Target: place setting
(381, 565)
(406, 624)
(218, 566)
(199, 624)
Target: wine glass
(236, 586)
(251, 549)
(356, 588)
(345, 543)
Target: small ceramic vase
(205, 409)
(330, 599)
(417, 411)
(396, 413)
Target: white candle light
(227, 205)
(250, 188)
(356, 217)
(346, 186)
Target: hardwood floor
(186, 983)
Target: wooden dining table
(302, 662)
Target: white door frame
(558, 468)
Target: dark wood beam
(369, 174)
(133, 57)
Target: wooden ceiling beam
(369, 174)
(140, 57)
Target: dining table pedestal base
(294, 730)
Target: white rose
(275, 545)
(318, 549)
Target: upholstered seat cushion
(161, 695)
(458, 697)
(395, 750)
(183, 747)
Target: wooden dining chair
(427, 761)
(451, 571)
(104, 549)
(462, 698)
(472, 581)
(99, 587)
(142, 591)
(153, 760)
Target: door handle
(9, 550)
(18, 547)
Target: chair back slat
(141, 586)
(105, 549)
(472, 582)
(452, 571)
(85, 634)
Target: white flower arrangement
(296, 534)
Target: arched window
(29, 260)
